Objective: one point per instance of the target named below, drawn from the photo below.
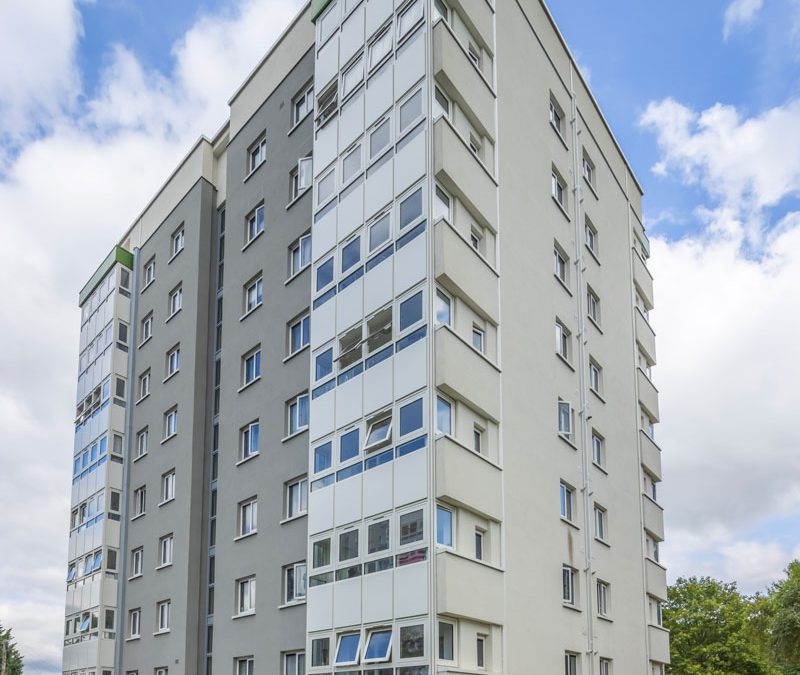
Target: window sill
(248, 384)
(597, 395)
(254, 170)
(168, 438)
(297, 274)
(296, 199)
(595, 324)
(174, 255)
(242, 537)
(570, 606)
(135, 576)
(298, 123)
(561, 207)
(560, 136)
(165, 502)
(166, 631)
(170, 376)
(249, 243)
(145, 341)
(139, 515)
(248, 458)
(603, 542)
(293, 354)
(568, 441)
(294, 434)
(138, 457)
(599, 467)
(565, 361)
(250, 311)
(134, 638)
(147, 285)
(593, 254)
(591, 187)
(142, 398)
(291, 519)
(244, 615)
(562, 283)
(175, 313)
(164, 566)
(603, 617)
(566, 521)
(294, 603)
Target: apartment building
(386, 400)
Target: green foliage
(783, 621)
(710, 630)
(14, 663)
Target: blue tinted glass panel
(348, 446)
(325, 274)
(324, 364)
(322, 457)
(351, 254)
(411, 417)
(411, 208)
(411, 311)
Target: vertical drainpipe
(583, 361)
(123, 535)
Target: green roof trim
(117, 255)
(317, 7)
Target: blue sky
(704, 98)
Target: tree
(10, 658)
(710, 630)
(784, 621)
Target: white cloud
(66, 197)
(727, 339)
(740, 14)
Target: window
(598, 449)
(480, 656)
(323, 457)
(444, 314)
(444, 526)
(408, 18)
(294, 663)
(351, 254)
(379, 47)
(248, 440)
(652, 547)
(568, 585)
(144, 385)
(379, 432)
(300, 177)
(297, 410)
(411, 417)
(411, 527)
(321, 553)
(379, 231)
(441, 104)
(254, 224)
(559, 189)
(327, 105)
(656, 613)
(348, 545)
(593, 306)
(253, 295)
(560, 266)
(177, 241)
(257, 153)
(251, 367)
(245, 665)
(348, 445)
(137, 556)
(300, 255)
(446, 641)
(294, 577)
(565, 416)
(479, 541)
(347, 649)
(412, 641)
(588, 170)
(567, 501)
(441, 205)
(595, 377)
(162, 615)
(168, 486)
(440, 10)
(410, 208)
(326, 186)
(351, 164)
(353, 76)
(139, 501)
(170, 423)
(475, 146)
(323, 364)
(605, 666)
(379, 138)
(444, 416)
(378, 537)
(600, 522)
(135, 623)
(410, 311)
(299, 334)
(122, 334)
(175, 301)
(320, 652)
(474, 54)
(563, 341)
(478, 339)
(602, 598)
(165, 550)
(297, 498)
(410, 111)
(475, 240)
(591, 236)
(477, 438)
(147, 328)
(556, 117)
(570, 664)
(246, 595)
(149, 272)
(302, 104)
(378, 648)
(248, 517)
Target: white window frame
(137, 562)
(175, 301)
(353, 76)
(252, 373)
(568, 589)
(449, 405)
(246, 595)
(563, 341)
(301, 484)
(293, 418)
(558, 189)
(168, 486)
(379, 48)
(247, 517)
(567, 502)
(139, 501)
(166, 550)
(163, 618)
(144, 385)
(147, 328)
(305, 337)
(247, 448)
(173, 360)
(387, 654)
(603, 589)
(600, 523)
(299, 586)
(149, 275)
(171, 423)
(253, 225)
(303, 104)
(416, 12)
(479, 339)
(135, 623)
(298, 248)
(339, 637)
(256, 287)
(566, 432)
(257, 153)
(178, 241)
(384, 422)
